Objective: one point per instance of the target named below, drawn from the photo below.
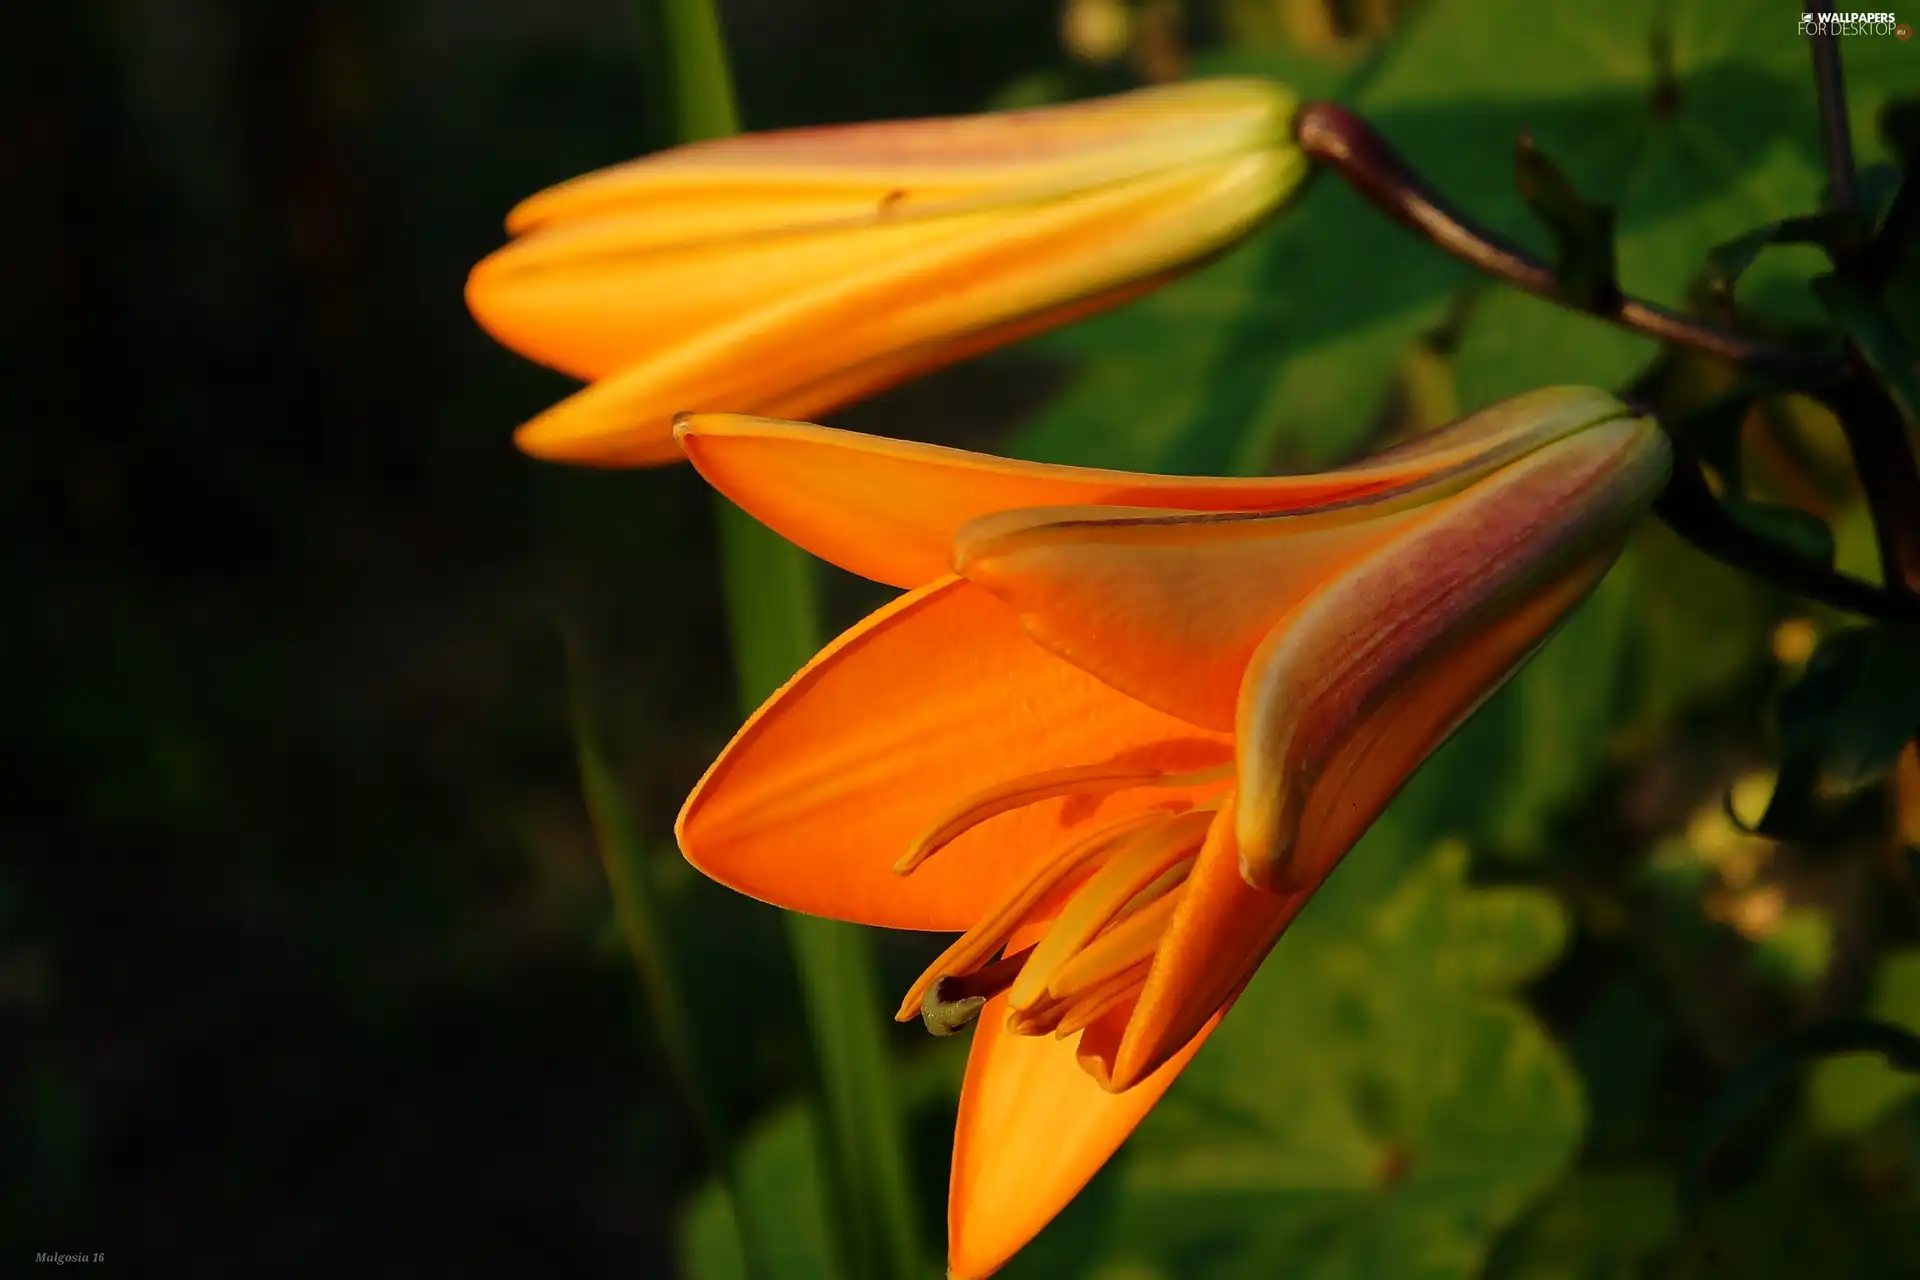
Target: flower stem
(1689, 508)
(1836, 139)
(701, 84)
(1883, 457)
(1343, 142)
(768, 584)
(643, 926)
(1339, 140)
(774, 622)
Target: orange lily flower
(792, 272)
(1121, 727)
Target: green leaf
(1851, 1093)
(1667, 628)
(1843, 722)
(1545, 736)
(773, 622)
(1727, 262)
(1866, 321)
(1281, 354)
(1813, 1208)
(1514, 341)
(1773, 1066)
(1732, 146)
(1582, 232)
(1796, 953)
(1377, 1103)
(1595, 1226)
(1801, 533)
(656, 955)
(782, 1176)
(1284, 353)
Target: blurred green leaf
(1843, 723)
(1694, 139)
(1514, 341)
(1796, 952)
(1582, 232)
(1778, 1063)
(1286, 346)
(1666, 629)
(1286, 351)
(1595, 1226)
(643, 927)
(782, 1176)
(1851, 1093)
(1727, 262)
(1377, 1104)
(1866, 321)
(1800, 532)
(1545, 736)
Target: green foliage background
(304, 946)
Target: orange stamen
(1144, 859)
(1035, 787)
(973, 947)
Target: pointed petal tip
(1034, 1128)
(557, 436)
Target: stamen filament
(1098, 1001)
(1126, 944)
(1106, 894)
(1033, 788)
(991, 933)
(1050, 1015)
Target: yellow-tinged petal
(1352, 690)
(1034, 1126)
(890, 510)
(933, 697)
(1165, 608)
(1221, 930)
(797, 177)
(789, 273)
(1169, 608)
(789, 311)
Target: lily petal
(931, 698)
(1220, 932)
(823, 175)
(1034, 1127)
(1350, 693)
(1166, 607)
(890, 510)
(797, 308)
(1169, 608)
(601, 412)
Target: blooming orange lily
(1120, 727)
(789, 273)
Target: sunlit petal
(1351, 692)
(1034, 1126)
(891, 509)
(903, 168)
(1220, 932)
(932, 697)
(1169, 608)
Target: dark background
(306, 963)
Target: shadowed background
(306, 960)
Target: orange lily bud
(789, 273)
(1122, 727)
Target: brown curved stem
(1836, 138)
(1343, 142)
(1689, 508)
(1882, 455)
